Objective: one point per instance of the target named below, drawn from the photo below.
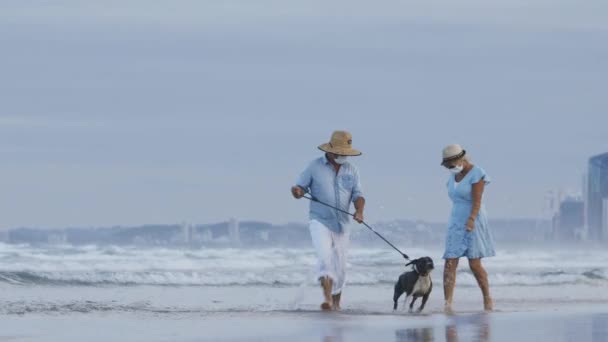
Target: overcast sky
(132, 112)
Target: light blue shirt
(322, 182)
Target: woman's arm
(477, 194)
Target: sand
(155, 313)
(308, 326)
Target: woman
(468, 233)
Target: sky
(131, 112)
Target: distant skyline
(131, 112)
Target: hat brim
(351, 152)
(452, 158)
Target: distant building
(206, 235)
(186, 232)
(3, 236)
(57, 238)
(569, 222)
(234, 232)
(596, 201)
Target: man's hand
(297, 192)
(359, 216)
(359, 205)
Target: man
(333, 180)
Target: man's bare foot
(327, 285)
(488, 304)
(336, 301)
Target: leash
(314, 199)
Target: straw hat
(340, 144)
(452, 152)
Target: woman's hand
(470, 224)
(477, 193)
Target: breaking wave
(22, 265)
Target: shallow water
(67, 293)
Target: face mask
(340, 159)
(457, 169)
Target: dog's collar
(418, 272)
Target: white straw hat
(452, 152)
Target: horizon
(304, 223)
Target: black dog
(416, 283)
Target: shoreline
(360, 300)
(153, 313)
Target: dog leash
(314, 199)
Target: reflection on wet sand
(468, 328)
(333, 334)
(415, 334)
(475, 327)
(479, 327)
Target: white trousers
(331, 248)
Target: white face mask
(340, 159)
(457, 169)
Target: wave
(178, 278)
(23, 265)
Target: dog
(416, 283)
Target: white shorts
(331, 248)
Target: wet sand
(577, 325)
(152, 313)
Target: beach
(114, 293)
(175, 170)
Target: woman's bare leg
(449, 281)
(482, 280)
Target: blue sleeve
(480, 174)
(357, 190)
(305, 178)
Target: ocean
(170, 287)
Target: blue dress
(459, 242)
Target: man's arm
(359, 206)
(302, 184)
(358, 198)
